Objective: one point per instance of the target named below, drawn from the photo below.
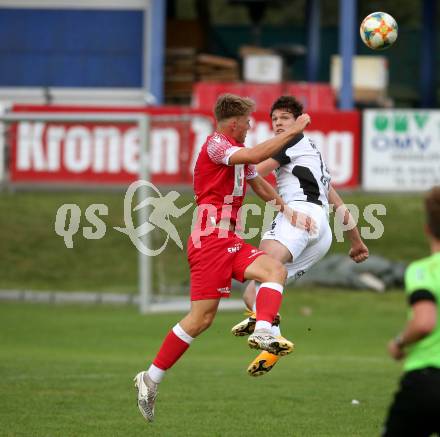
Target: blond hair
(230, 105)
(432, 207)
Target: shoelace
(265, 338)
(249, 313)
(151, 397)
(151, 393)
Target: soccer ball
(378, 31)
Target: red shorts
(215, 262)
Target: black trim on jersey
(308, 183)
(324, 180)
(281, 156)
(421, 294)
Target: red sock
(173, 347)
(268, 301)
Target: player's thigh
(276, 250)
(288, 236)
(266, 269)
(204, 309)
(243, 258)
(312, 253)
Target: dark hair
(230, 105)
(289, 104)
(432, 207)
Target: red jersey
(219, 184)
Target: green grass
(34, 257)
(67, 370)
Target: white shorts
(306, 249)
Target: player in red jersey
(216, 254)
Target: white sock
(178, 330)
(262, 324)
(257, 289)
(275, 330)
(156, 374)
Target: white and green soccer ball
(378, 30)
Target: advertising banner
(337, 134)
(401, 150)
(313, 96)
(108, 153)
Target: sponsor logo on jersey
(235, 248)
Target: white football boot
(147, 393)
(263, 339)
(246, 326)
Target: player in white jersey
(303, 182)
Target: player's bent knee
(197, 321)
(200, 325)
(281, 272)
(204, 321)
(207, 320)
(275, 272)
(266, 269)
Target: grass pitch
(67, 371)
(34, 257)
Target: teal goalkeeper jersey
(422, 278)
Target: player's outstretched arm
(267, 166)
(358, 251)
(421, 324)
(265, 191)
(262, 151)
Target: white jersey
(302, 174)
